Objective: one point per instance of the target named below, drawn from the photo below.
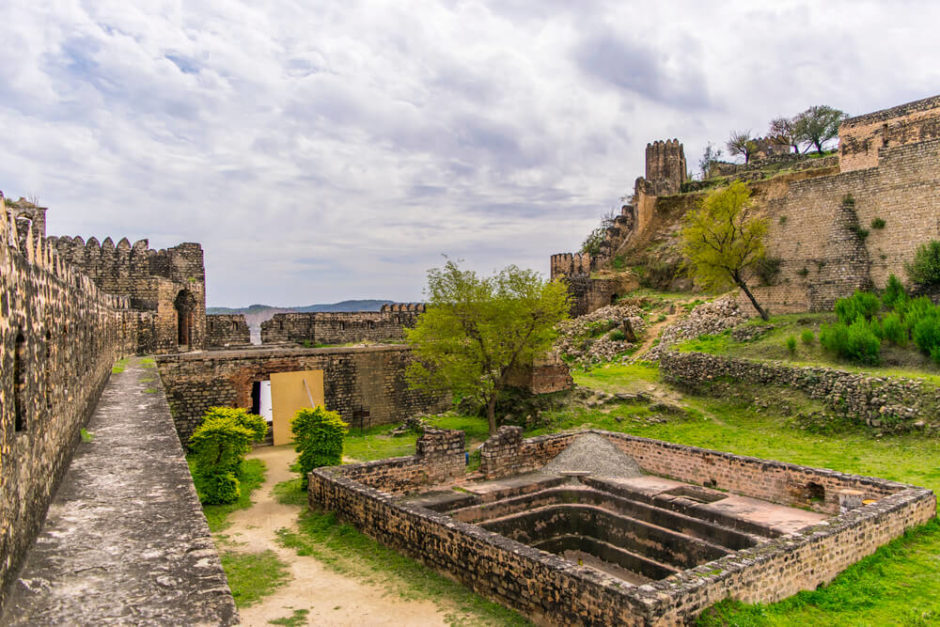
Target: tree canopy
(817, 125)
(723, 240)
(475, 331)
(781, 132)
(741, 143)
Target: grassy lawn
(250, 477)
(252, 576)
(119, 366)
(895, 361)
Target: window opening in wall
(342, 326)
(19, 382)
(185, 305)
(815, 492)
(234, 326)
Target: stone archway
(185, 304)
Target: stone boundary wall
(546, 587)
(226, 330)
(338, 327)
(861, 138)
(890, 403)
(366, 385)
(59, 337)
(506, 453)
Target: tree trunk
(491, 414)
(747, 292)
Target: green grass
(119, 366)
(252, 576)
(148, 362)
(151, 390)
(344, 549)
(900, 584)
(297, 619)
(618, 377)
(87, 436)
(896, 361)
(250, 477)
(375, 443)
(290, 493)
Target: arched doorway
(185, 305)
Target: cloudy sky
(337, 149)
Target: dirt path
(332, 599)
(653, 333)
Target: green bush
(791, 344)
(894, 294)
(808, 337)
(926, 333)
(618, 335)
(856, 342)
(925, 268)
(878, 223)
(318, 438)
(893, 329)
(916, 310)
(834, 337)
(219, 446)
(863, 304)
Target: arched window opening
(234, 325)
(19, 382)
(185, 305)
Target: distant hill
(346, 305)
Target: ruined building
(837, 223)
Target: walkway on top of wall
(125, 540)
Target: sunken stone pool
(597, 527)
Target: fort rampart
(227, 330)
(60, 336)
(338, 327)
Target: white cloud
(337, 152)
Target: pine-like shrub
(808, 337)
(925, 268)
(894, 293)
(834, 337)
(318, 438)
(863, 345)
(916, 310)
(926, 333)
(893, 329)
(864, 304)
(219, 446)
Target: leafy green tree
(595, 240)
(475, 331)
(318, 438)
(723, 240)
(741, 143)
(925, 268)
(818, 125)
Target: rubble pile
(706, 319)
(601, 335)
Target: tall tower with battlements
(665, 167)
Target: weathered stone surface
(125, 541)
(339, 327)
(224, 330)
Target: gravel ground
(596, 454)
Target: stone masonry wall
(59, 337)
(890, 403)
(546, 587)
(861, 138)
(337, 327)
(366, 385)
(226, 330)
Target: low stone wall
(506, 453)
(227, 330)
(551, 590)
(366, 385)
(890, 403)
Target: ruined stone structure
(366, 385)
(224, 330)
(655, 550)
(60, 336)
(824, 214)
(170, 284)
(340, 327)
(665, 167)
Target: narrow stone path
(331, 598)
(124, 541)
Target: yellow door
(291, 391)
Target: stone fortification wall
(544, 586)
(339, 327)
(227, 330)
(861, 138)
(59, 336)
(169, 283)
(665, 167)
(889, 403)
(366, 385)
(815, 232)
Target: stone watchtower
(665, 167)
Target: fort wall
(60, 336)
(366, 385)
(339, 327)
(227, 330)
(861, 138)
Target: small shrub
(791, 345)
(916, 310)
(808, 337)
(893, 329)
(878, 224)
(926, 333)
(617, 335)
(834, 337)
(860, 233)
(894, 293)
(219, 446)
(318, 438)
(925, 268)
(782, 220)
(864, 304)
(218, 488)
(803, 272)
(863, 345)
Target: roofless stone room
(469, 313)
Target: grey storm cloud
(338, 151)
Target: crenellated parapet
(403, 307)
(573, 264)
(665, 167)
